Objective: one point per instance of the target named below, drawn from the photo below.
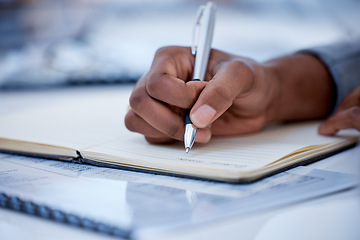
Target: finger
(155, 113)
(172, 90)
(136, 124)
(349, 118)
(175, 61)
(233, 79)
(353, 99)
(203, 135)
(167, 81)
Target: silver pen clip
(196, 30)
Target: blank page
(73, 121)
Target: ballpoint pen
(202, 37)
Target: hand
(233, 99)
(347, 116)
(238, 95)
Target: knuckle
(244, 75)
(154, 84)
(241, 68)
(164, 50)
(137, 99)
(130, 120)
(223, 93)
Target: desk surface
(335, 216)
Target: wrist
(274, 79)
(303, 88)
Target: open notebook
(90, 129)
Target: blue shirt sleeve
(343, 62)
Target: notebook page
(234, 153)
(74, 121)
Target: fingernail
(202, 116)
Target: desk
(335, 216)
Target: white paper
(147, 203)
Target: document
(133, 204)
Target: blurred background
(50, 43)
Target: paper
(231, 155)
(75, 121)
(144, 203)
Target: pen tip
(187, 150)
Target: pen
(202, 37)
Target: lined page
(234, 153)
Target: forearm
(304, 88)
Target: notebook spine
(45, 212)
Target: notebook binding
(43, 211)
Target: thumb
(233, 79)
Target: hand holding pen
(238, 95)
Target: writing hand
(235, 90)
(238, 95)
